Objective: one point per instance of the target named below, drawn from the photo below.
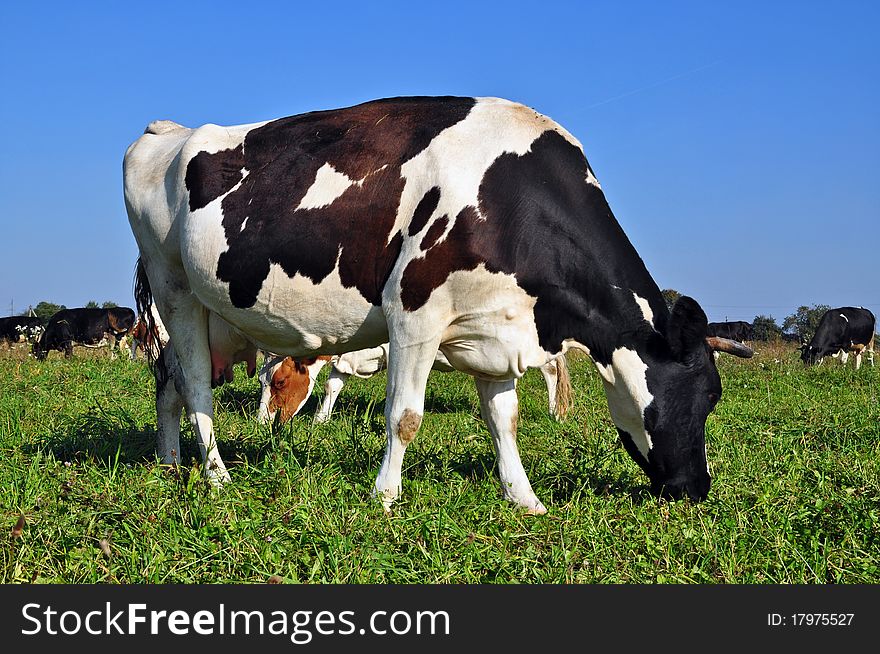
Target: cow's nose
(696, 489)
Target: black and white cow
(842, 331)
(470, 225)
(84, 326)
(16, 328)
(735, 330)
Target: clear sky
(738, 143)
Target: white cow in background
(286, 384)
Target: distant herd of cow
(841, 332)
(414, 234)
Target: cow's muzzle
(696, 489)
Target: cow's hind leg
(548, 370)
(499, 407)
(408, 369)
(558, 382)
(169, 404)
(190, 363)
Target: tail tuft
(563, 387)
(143, 297)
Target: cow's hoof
(385, 497)
(217, 478)
(540, 509)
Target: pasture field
(795, 498)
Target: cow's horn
(719, 344)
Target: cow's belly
(492, 334)
(292, 316)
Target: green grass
(795, 497)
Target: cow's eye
(713, 398)
(280, 383)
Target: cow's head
(812, 354)
(660, 396)
(120, 319)
(807, 355)
(287, 385)
(38, 349)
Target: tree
(765, 328)
(109, 304)
(804, 321)
(671, 296)
(91, 304)
(45, 310)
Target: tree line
(802, 323)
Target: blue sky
(738, 143)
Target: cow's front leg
(408, 369)
(335, 381)
(499, 407)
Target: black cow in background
(12, 328)
(736, 330)
(841, 331)
(82, 326)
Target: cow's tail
(143, 297)
(563, 387)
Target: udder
(228, 347)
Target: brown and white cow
(143, 337)
(286, 384)
(473, 226)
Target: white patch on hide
(646, 309)
(329, 185)
(457, 158)
(628, 396)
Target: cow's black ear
(686, 332)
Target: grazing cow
(473, 226)
(142, 337)
(84, 326)
(286, 383)
(842, 331)
(736, 330)
(15, 328)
